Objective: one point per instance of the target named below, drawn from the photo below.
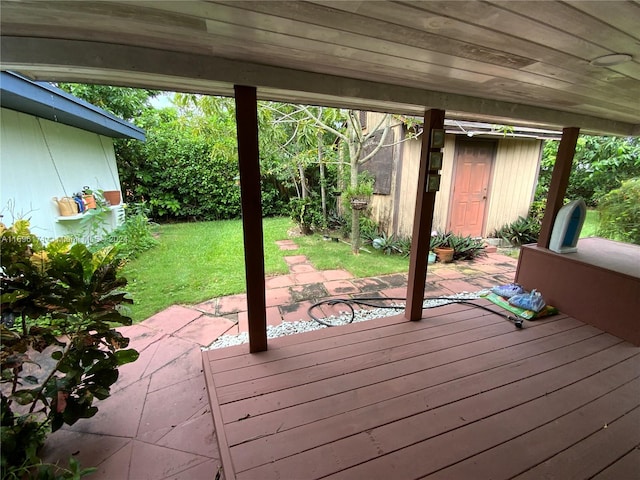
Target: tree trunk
(355, 214)
(303, 183)
(323, 190)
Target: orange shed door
(472, 173)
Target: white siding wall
(513, 181)
(41, 159)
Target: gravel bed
(290, 328)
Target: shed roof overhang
(43, 100)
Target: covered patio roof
(514, 63)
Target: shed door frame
(493, 144)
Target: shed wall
(513, 181)
(40, 160)
(511, 187)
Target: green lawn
(198, 261)
(328, 255)
(590, 224)
(195, 262)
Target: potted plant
(358, 196)
(441, 247)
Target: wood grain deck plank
(615, 410)
(445, 449)
(630, 462)
(345, 349)
(471, 412)
(275, 344)
(499, 368)
(338, 368)
(529, 344)
(371, 332)
(587, 458)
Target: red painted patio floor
(461, 394)
(157, 424)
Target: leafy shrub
(134, 236)
(465, 248)
(520, 232)
(307, 213)
(620, 213)
(60, 351)
(387, 244)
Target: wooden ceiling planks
(496, 50)
(550, 62)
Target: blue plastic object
(509, 290)
(529, 301)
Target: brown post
(249, 161)
(559, 183)
(422, 220)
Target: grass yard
(590, 224)
(328, 255)
(196, 262)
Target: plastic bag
(509, 290)
(529, 301)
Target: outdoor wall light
(611, 60)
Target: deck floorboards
(460, 394)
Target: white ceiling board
(491, 58)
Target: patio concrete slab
(295, 259)
(232, 304)
(302, 268)
(309, 277)
(172, 319)
(336, 274)
(340, 287)
(279, 281)
(204, 329)
(278, 296)
(311, 291)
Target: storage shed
(54, 144)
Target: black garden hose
(368, 302)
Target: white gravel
(290, 328)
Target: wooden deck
(461, 394)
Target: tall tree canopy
(600, 165)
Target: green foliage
(183, 171)
(520, 232)
(386, 244)
(126, 103)
(337, 255)
(465, 248)
(60, 351)
(134, 236)
(362, 191)
(307, 213)
(620, 213)
(599, 166)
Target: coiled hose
(368, 302)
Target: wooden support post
(422, 220)
(559, 183)
(249, 160)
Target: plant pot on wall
(444, 254)
(112, 196)
(89, 201)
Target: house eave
(43, 100)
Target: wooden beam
(422, 221)
(98, 62)
(559, 183)
(249, 160)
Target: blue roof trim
(43, 100)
